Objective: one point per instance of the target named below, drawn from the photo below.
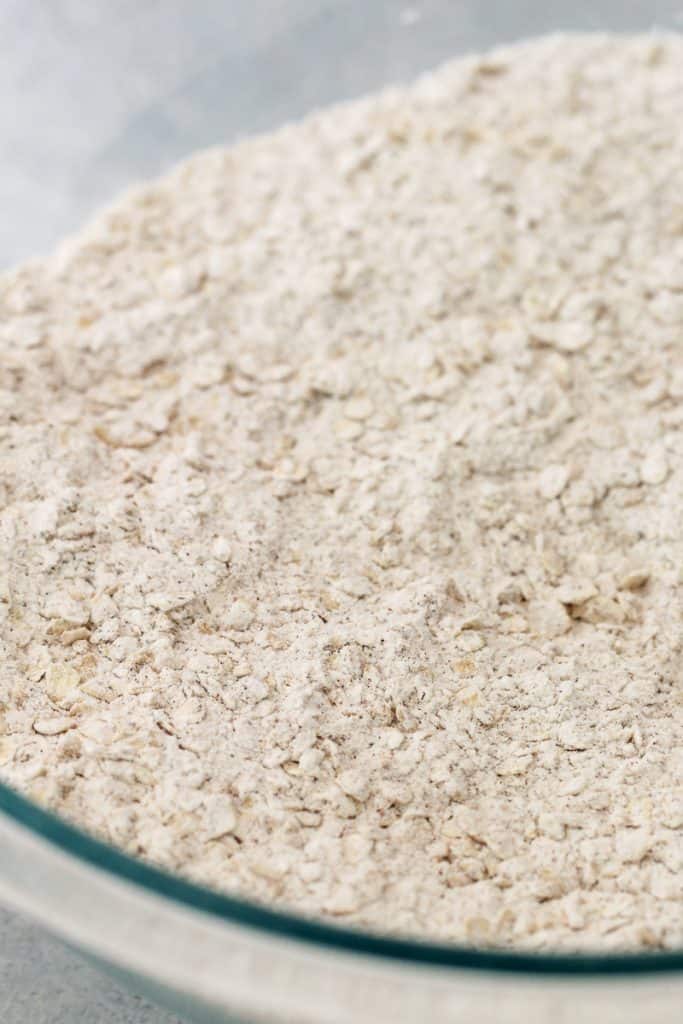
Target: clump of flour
(341, 478)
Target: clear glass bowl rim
(291, 926)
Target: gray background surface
(95, 94)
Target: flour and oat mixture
(342, 491)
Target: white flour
(341, 477)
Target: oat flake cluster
(341, 489)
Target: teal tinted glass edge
(291, 926)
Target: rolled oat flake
(341, 491)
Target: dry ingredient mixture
(341, 479)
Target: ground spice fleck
(340, 533)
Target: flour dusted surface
(341, 529)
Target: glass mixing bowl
(215, 959)
(202, 73)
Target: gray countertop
(41, 982)
(95, 94)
